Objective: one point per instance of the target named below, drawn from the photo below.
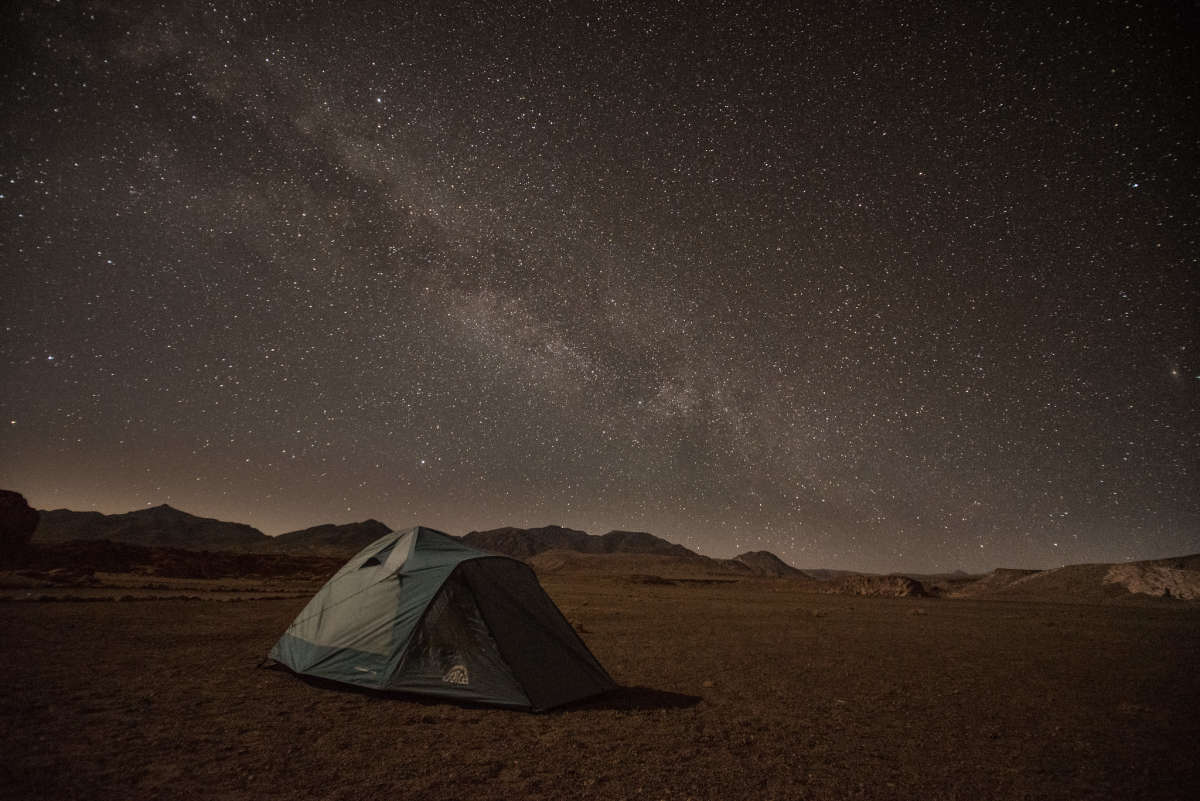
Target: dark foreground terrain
(733, 690)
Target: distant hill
(991, 583)
(523, 543)
(629, 564)
(163, 526)
(641, 542)
(87, 556)
(556, 549)
(825, 574)
(330, 539)
(1191, 562)
(765, 563)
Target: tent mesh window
(453, 652)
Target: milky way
(910, 286)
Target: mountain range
(162, 525)
(557, 549)
(166, 526)
(526, 542)
(329, 539)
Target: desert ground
(747, 689)
(731, 690)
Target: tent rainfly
(417, 611)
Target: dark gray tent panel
(548, 657)
(417, 611)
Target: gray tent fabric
(417, 611)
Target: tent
(419, 612)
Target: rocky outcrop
(1175, 578)
(17, 523)
(875, 586)
(1156, 580)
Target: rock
(1148, 578)
(638, 578)
(17, 522)
(893, 586)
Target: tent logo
(457, 675)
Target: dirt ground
(748, 690)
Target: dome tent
(417, 611)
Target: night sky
(901, 286)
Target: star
(843, 314)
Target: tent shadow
(397, 696)
(636, 699)
(619, 698)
